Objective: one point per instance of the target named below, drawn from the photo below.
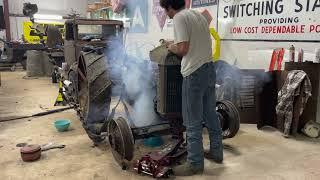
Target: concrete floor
(251, 155)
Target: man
(192, 41)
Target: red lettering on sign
(251, 30)
(294, 29)
(236, 30)
(314, 29)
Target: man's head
(172, 6)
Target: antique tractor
(118, 125)
(104, 103)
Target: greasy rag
(296, 84)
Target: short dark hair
(174, 4)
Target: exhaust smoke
(133, 79)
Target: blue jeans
(198, 108)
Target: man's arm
(181, 36)
(180, 49)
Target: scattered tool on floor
(32, 152)
(51, 145)
(36, 115)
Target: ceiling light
(47, 17)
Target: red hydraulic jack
(157, 164)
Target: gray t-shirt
(192, 26)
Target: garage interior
(88, 89)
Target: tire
(235, 124)
(230, 115)
(94, 91)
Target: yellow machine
(217, 49)
(33, 31)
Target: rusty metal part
(229, 118)
(30, 152)
(121, 141)
(94, 91)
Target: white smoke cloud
(133, 77)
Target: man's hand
(180, 49)
(173, 48)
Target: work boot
(187, 169)
(212, 156)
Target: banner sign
(160, 13)
(139, 16)
(203, 3)
(269, 19)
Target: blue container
(154, 141)
(62, 125)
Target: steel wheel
(121, 141)
(229, 118)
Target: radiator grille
(169, 99)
